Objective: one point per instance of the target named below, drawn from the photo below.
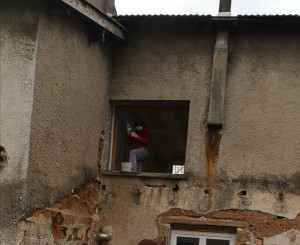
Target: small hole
(243, 193)
(103, 187)
(280, 217)
(281, 196)
(176, 188)
(206, 192)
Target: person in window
(139, 139)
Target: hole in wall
(176, 188)
(281, 196)
(3, 156)
(243, 193)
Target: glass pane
(187, 241)
(217, 242)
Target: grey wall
(54, 104)
(261, 130)
(262, 121)
(69, 110)
(18, 47)
(168, 61)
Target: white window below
(201, 238)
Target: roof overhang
(98, 17)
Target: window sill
(145, 175)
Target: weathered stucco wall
(70, 108)
(54, 105)
(259, 140)
(261, 132)
(165, 61)
(18, 45)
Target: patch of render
(19, 29)
(72, 220)
(259, 227)
(261, 133)
(291, 237)
(19, 26)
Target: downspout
(216, 103)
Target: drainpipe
(215, 117)
(219, 70)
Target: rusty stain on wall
(100, 153)
(212, 144)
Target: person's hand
(128, 128)
(133, 134)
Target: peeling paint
(70, 220)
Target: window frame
(150, 105)
(203, 236)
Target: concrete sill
(145, 175)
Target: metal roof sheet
(207, 16)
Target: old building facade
(220, 97)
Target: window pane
(217, 242)
(187, 241)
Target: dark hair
(139, 122)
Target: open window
(201, 238)
(167, 123)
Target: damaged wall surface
(240, 166)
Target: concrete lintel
(98, 17)
(219, 70)
(183, 220)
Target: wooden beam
(98, 17)
(217, 89)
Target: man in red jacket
(139, 139)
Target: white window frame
(202, 236)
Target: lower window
(201, 238)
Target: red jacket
(140, 141)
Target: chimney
(225, 8)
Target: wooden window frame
(149, 106)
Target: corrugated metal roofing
(207, 16)
(163, 15)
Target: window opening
(201, 238)
(167, 126)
